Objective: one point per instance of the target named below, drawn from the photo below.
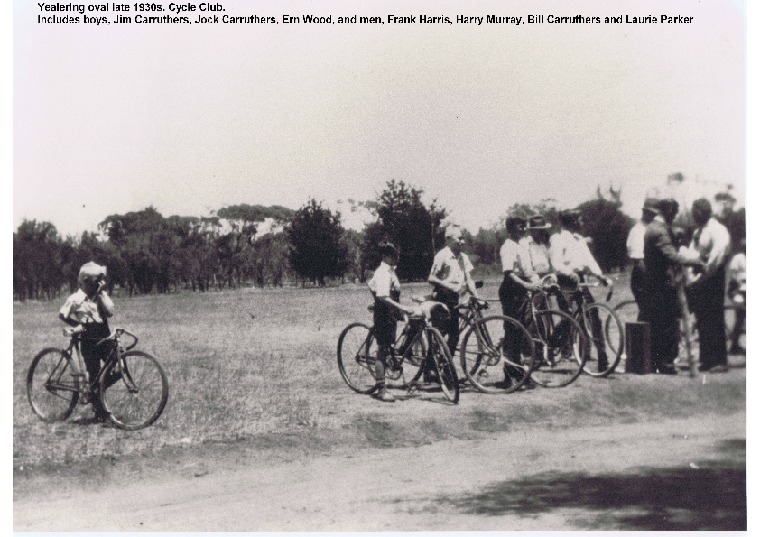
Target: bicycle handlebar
(116, 334)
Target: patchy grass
(253, 370)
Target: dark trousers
(515, 303)
(93, 354)
(708, 307)
(637, 283)
(662, 310)
(449, 327)
(384, 317)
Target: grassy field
(256, 369)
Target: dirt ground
(685, 474)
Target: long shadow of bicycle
(710, 495)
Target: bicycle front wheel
(438, 351)
(606, 339)
(561, 349)
(134, 390)
(497, 354)
(357, 351)
(50, 385)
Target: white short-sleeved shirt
(538, 256)
(81, 309)
(515, 258)
(384, 280)
(451, 269)
(569, 252)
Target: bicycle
(561, 344)
(418, 342)
(132, 385)
(602, 327)
(482, 351)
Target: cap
(453, 232)
(91, 271)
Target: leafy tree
(608, 228)
(37, 262)
(315, 235)
(407, 222)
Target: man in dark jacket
(661, 306)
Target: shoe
(667, 370)
(384, 395)
(718, 369)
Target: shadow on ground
(708, 495)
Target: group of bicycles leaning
(550, 330)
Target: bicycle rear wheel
(561, 349)
(357, 351)
(438, 351)
(134, 390)
(606, 339)
(50, 387)
(497, 354)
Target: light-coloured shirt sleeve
(383, 281)
(508, 255)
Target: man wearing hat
(661, 306)
(635, 246)
(451, 278)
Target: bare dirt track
(686, 474)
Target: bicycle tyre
(484, 361)
(561, 349)
(441, 356)
(357, 352)
(50, 388)
(611, 338)
(134, 390)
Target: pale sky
(188, 118)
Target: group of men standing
(660, 267)
(529, 253)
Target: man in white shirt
(635, 246)
(572, 260)
(712, 242)
(451, 278)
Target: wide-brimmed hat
(537, 222)
(651, 205)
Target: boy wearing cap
(451, 277)
(88, 311)
(386, 290)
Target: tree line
(244, 244)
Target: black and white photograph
(379, 266)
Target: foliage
(608, 229)
(414, 228)
(318, 251)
